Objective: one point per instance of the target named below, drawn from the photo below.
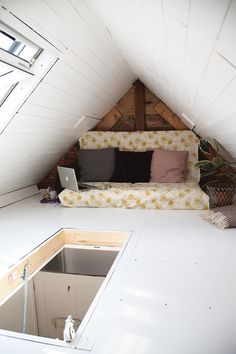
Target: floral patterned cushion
(139, 195)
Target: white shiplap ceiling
(185, 52)
(89, 77)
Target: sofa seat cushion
(186, 195)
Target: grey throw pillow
(96, 165)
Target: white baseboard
(16, 196)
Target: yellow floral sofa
(187, 195)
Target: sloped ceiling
(89, 77)
(185, 52)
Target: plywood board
(97, 238)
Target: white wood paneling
(75, 90)
(54, 103)
(88, 79)
(184, 51)
(6, 199)
(175, 34)
(226, 43)
(47, 113)
(201, 38)
(221, 108)
(81, 81)
(36, 120)
(212, 84)
(179, 9)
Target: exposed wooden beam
(152, 122)
(109, 120)
(169, 116)
(139, 105)
(150, 101)
(126, 104)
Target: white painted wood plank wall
(185, 52)
(88, 79)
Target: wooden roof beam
(139, 105)
(169, 116)
(109, 120)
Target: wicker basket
(220, 194)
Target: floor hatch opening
(66, 285)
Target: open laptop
(68, 179)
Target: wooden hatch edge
(12, 280)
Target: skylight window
(18, 47)
(5, 40)
(9, 77)
(17, 55)
(25, 58)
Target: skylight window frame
(16, 36)
(14, 61)
(46, 58)
(7, 94)
(17, 66)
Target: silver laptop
(68, 179)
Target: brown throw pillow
(168, 166)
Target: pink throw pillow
(168, 166)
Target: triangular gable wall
(156, 115)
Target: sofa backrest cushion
(148, 140)
(132, 166)
(168, 166)
(96, 165)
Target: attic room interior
(117, 193)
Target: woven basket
(220, 194)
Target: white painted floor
(173, 290)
